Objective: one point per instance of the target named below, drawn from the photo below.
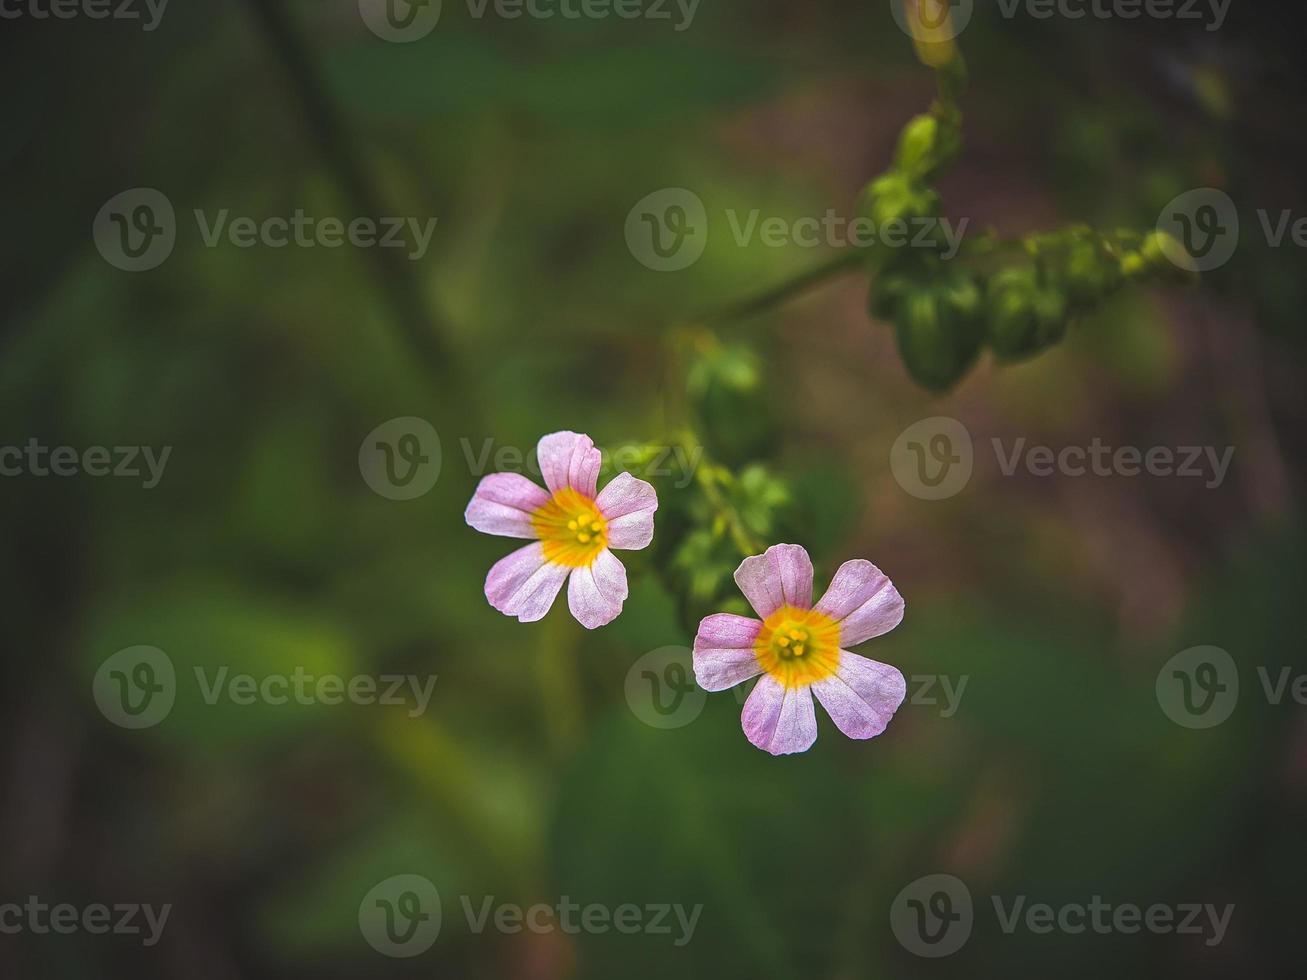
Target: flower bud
(1024, 317)
(927, 145)
(938, 330)
(918, 150)
(894, 196)
(1089, 272)
(731, 402)
(1157, 245)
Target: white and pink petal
(628, 505)
(723, 651)
(503, 505)
(524, 584)
(569, 460)
(778, 719)
(862, 695)
(864, 602)
(781, 576)
(596, 593)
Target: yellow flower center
(798, 646)
(572, 529)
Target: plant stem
(786, 290)
(396, 277)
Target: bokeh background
(530, 777)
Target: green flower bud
(938, 330)
(1090, 273)
(918, 145)
(731, 402)
(927, 145)
(1133, 265)
(887, 293)
(894, 201)
(1160, 255)
(894, 196)
(1024, 317)
(1157, 246)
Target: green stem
(787, 290)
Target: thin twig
(395, 274)
(786, 290)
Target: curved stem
(786, 290)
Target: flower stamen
(571, 528)
(798, 646)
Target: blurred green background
(531, 776)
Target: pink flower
(800, 650)
(572, 532)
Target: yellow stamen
(571, 529)
(798, 646)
